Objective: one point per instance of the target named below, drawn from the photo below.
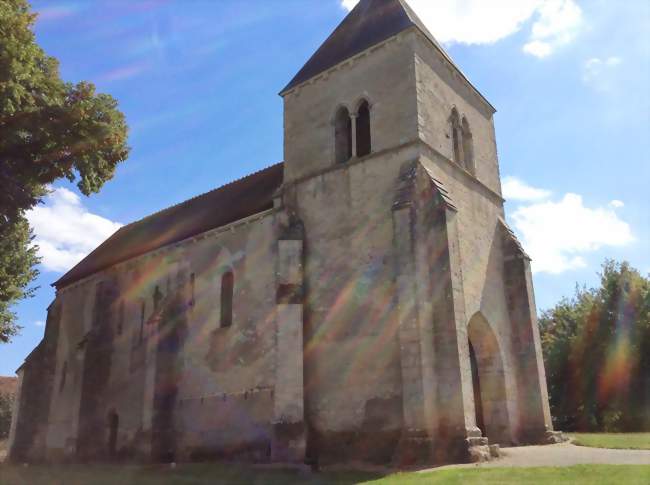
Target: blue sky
(198, 82)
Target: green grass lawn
(234, 475)
(578, 475)
(623, 441)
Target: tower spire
(369, 23)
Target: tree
(18, 259)
(597, 354)
(6, 409)
(49, 129)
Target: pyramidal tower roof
(368, 24)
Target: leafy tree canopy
(17, 269)
(49, 129)
(597, 354)
(6, 408)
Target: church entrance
(488, 378)
(476, 384)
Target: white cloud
(538, 48)
(600, 73)
(558, 234)
(515, 189)
(555, 22)
(617, 204)
(39, 323)
(66, 231)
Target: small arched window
(192, 288)
(456, 136)
(113, 426)
(468, 146)
(64, 375)
(143, 308)
(120, 318)
(363, 130)
(227, 287)
(343, 135)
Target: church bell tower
(420, 330)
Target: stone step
(495, 451)
(553, 437)
(477, 441)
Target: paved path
(564, 454)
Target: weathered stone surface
(381, 310)
(479, 454)
(554, 437)
(495, 451)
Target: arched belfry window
(456, 136)
(363, 129)
(468, 146)
(227, 288)
(343, 135)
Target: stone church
(363, 300)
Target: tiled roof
(232, 202)
(368, 24)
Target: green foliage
(49, 129)
(6, 408)
(17, 269)
(597, 354)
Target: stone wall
(135, 330)
(354, 303)
(440, 88)
(384, 76)
(352, 371)
(226, 376)
(37, 385)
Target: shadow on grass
(235, 475)
(216, 474)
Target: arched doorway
(113, 426)
(488, 376)
(476, 385)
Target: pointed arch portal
(488, 376)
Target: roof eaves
(70, 277)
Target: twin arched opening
(352, 133)
(462, 140)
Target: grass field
(620, 441)
(233, 475)
(578, 475)
(217, 474)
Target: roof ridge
(228, 184)
(222, 205)
(368, 24)
(363, 27)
